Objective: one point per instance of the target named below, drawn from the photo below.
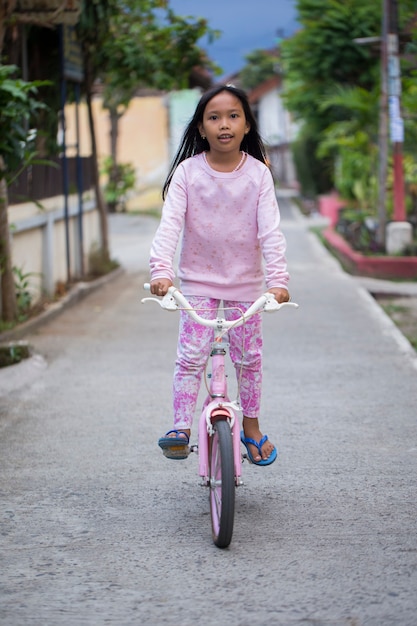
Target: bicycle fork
(218, 407)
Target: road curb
(77, 293)
(16, 376)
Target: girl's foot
(175, 444)
(251, 430)
(180, 433)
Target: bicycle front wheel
(222, 484)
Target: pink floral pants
(193, 349)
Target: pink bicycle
(219, 437)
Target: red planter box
(329, 206)
(388, 267)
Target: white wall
(38, 238)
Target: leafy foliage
(321, 57)
(18, 105)
(353, 142)
(23, 291)
(260, 66)
(360, 230)
(13, 353)
(332, 85)
(121, 179)
(323, 54)
(148, 45)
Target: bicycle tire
(222, 484)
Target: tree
(332, 86)
(18, 105)
(260, 66)
(353, 143)
(131, 44)
(92, 32)
(6, 10)
(8, 300)
(148, 46)
(323, 56)
(126, 44)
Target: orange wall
(143, 137)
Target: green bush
(121, 179)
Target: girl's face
(224, 123)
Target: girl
(220, 194)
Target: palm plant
(353, 143)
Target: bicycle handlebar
(174, 300)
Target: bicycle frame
(218, 406)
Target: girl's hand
(160, 286)
(281, 295)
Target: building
(276, 128)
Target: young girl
(220, 194)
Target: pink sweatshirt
(232, 244)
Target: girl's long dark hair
(192, 143)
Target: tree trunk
(101, 205)
(114, 132)
(8, 293)
(6, 9)
(114, 170)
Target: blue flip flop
(175, 447)
(248, 440)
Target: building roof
(48, 11)
(260, 90)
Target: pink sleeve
(165, 242)
(270, 236)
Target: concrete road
(99, 528)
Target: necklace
(238, 166)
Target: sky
(246, 25)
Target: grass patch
(100, 263)
(13, 353)
(392, 309)
(403, 312)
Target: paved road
(98, 528)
